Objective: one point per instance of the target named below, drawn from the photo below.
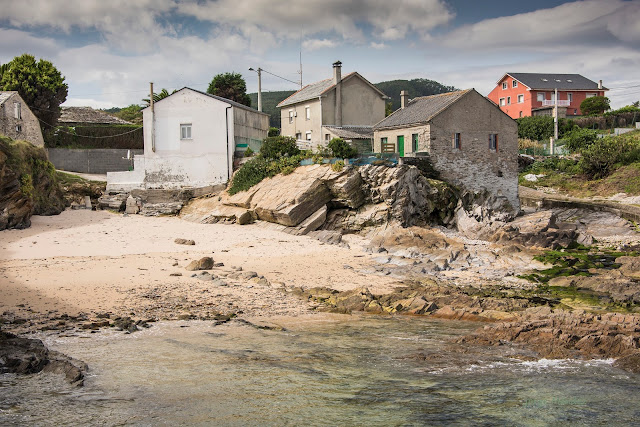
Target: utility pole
(555, 122)
(153, 119)
(259, 71)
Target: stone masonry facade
(17, 121)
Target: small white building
(189, 142)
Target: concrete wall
(99, 161)
(249, 128)
(361, 105)
(474, 165)
(28, 123)
(300, 123)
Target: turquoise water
(350, 370)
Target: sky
(109, 51)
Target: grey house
(469, 140)
(17, 121)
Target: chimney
(404, 98)
(600, 84)
(337, 72)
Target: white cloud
(314, 44)
(377, 46)
(15, 42)
(584, 23)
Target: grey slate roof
(88, 115)
(228, 101)
(420, 110)
(352, 132)
(310, 91)
(553, 81)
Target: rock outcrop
(28, 184)
(315, 196)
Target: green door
(401, 145)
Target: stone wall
(98, 161)
(26, 128)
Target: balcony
(551, 103)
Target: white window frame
(18, 128)
(327, 137)
(186, 131)
(504, 85)
(521, 99)
(514, 83)
(493, 142)
(502, 102)
(457, 141)
(298, 136)
(17, 110)
(307, 113)
(541, 96)
(508, 100)
(570, 97)
(591, 95)
(307, 135)
(290, 116)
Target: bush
(95, 136)
(341, 149)
(540, 128)
(600, 158)
(556, 164)
(259, 168)
(594, 105)
(579, 139)
(248, 152)
(273, 132)
(278, 146)
(337, 166)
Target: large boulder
(28, 184)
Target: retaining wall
(97, 160)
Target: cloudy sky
(109, 51)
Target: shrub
(278, 146)
(594, 105)
(337, 166)
(554, 164)
(259, 168)
(540, 128)
(248, 152)
(273, 131)
(600, 158)
(579, 139)
(341, 149)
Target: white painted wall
(205, 159)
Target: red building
(533, 94)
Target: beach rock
(132, 205)
(28, 184)
(113, 201)
(630, 266)
(312, 223)
(630, 363)
(188, 242)
(205, 263)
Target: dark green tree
(158, 96)
(231, 86)
(274, 147)
(132, 113)
(579, 139)
(594, 105)
(341, 149)
(39, 83)
(540, 128)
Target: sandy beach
(92, 262)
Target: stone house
(469, 140)
(312, 113)
(189, 142)
(17, 121)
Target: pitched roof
(6, 95)
(420, 110)
(351, 132)
(314, 90)
(553, 81)
(88, 115)
(219, 98)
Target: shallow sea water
(351, 370)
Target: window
(591, 95)
(299, 135)
(414, 139)
(457, 141)
(290, 116)
(553, 97)
(540, 96)
(185, 131)
(18, 128)
(575, 111)
(501, 102)
(307, 113)
(308, 136)
(570, 97)
(493, 141)
(520, 113)
(514, 84)
(520, 99)
(504, 85)
(17, 111)
(327, 137)
(508, 100)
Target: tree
(158, 96)
(132, 113)
(39, 83)
(594, 105)
(274, 147)
(231, 86)
(579, 139)
(342, 149)
(540, 128)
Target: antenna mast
(300, 71)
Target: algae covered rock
(28, 184)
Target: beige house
(342, 102)
(469, 140)
(17, 121)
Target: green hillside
(415, 87)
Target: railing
(551, 103)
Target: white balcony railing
(551, 103)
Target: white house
(189, 142)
